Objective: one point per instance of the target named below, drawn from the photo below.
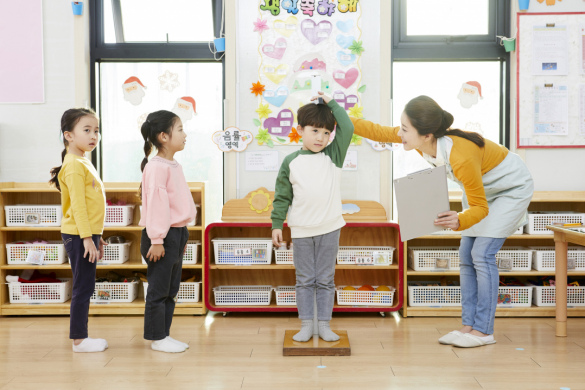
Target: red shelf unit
(352, 234)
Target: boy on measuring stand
(309, 180)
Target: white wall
(552, 169)
(29, 133)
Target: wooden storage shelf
(41, 193)
(136, 307)
(541, 201)
(353, 234)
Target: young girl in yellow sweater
(84, 204)
(497, 188)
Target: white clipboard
(420, 197)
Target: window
(438, 48)
(169, 66)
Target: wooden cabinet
(353, 234)
(41, 193)
(541, 201)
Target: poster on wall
(298, 42)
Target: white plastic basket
(188, 292)
(34, 215)
(242, 250)
(242, 295)
(521, 257)
(54, 252)
(286, 295)
(283, 256)
(543, 258)
(115, 292)
(348, 254)
(119, 215)
(538, 221)
(424, 257)
(434, 295)
(116, 253)
(191, 254)
(40, 292)
(546, 296)
(515, 296)
(365, 298)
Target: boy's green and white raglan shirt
(311, 183)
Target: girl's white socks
(166, 345)
(91, 345)
(326, 333)
(184, 345)
(306, 332)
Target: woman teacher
(497, 188)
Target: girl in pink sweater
(167, 207)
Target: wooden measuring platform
(316, 346)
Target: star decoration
(294, 136)
(356, 111)
(356, 48)
(260, 25)
(169, 81)
(263, 111)
(262, 136)
(257, 88)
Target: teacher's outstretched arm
(376, 132)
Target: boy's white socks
(91, 345)
(326, 333)
(184, 345)
(306, 332)
(166, 345)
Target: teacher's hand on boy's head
(448, 219)
(276, 237)
(326, 98)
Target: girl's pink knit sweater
(166, 198)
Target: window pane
(152, 20)
(411, 79)
(123, 112)
(447, 17)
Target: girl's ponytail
(55, 171)
(68, 122)
(156, 122)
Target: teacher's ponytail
(427, 117)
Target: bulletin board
(21, 50)
(550, 104)
(280, 46)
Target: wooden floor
(244, 351)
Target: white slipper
(450, 337)
(467, 340)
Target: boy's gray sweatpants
(314, 259)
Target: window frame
(100, 51)
(435, 48)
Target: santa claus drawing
(185, 108)
(469, 94)
(133, 90)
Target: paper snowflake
(356, 48)
(257, 88)
(263, 111)
(169, 81)
(260, 25)
(356, 111)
